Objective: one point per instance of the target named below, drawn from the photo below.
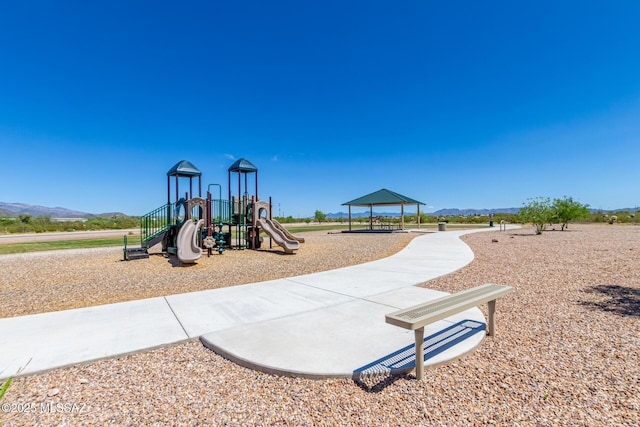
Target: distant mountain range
(441, 212)
(15, 209)
(454, 212)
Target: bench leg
(419, 335)
(492, 311)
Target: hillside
(15, 209)
(7, 213)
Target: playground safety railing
(220, 211)
(155, 223)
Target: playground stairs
(153, 227)
(136, 253)
(142, 252)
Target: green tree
(539, 212)
(24, 218)
(320, 216)
(568, 209)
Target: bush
(320, 216)
(539, 212)
(567, 210)
(43, 224)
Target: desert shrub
(567, 210)
(538, 212)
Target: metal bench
(417, 317)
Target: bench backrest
(418, 316)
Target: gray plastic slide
(289, 245)
(188, 249)
(286, 232)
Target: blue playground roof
(243, 165)
(184, 168)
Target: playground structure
(190, 224)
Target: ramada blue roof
(383, 197)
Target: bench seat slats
(440, 308)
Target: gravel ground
(566, 353)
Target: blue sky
(461, 104)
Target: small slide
(289, 245)
(188, 250)
(286, 232)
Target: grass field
(17, 248)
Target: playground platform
(327, 324)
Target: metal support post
(419, 335)
(492, 311)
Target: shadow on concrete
(378, 375)
(623, 300)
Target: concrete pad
(406, 297)
(437, 244)
(420, 268)
(358, 282)
(425, 258)
(68, 337)
(331, 342)
(218, 309)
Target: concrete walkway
(328, 324)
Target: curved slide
(187, 243)
(286, 232)
(289, 245)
